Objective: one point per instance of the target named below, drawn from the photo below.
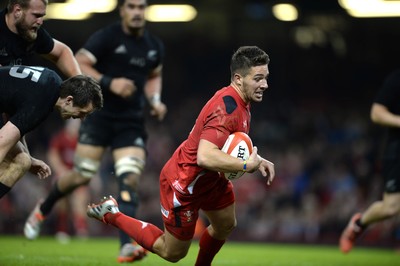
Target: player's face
(132, 14)
(255, 83)
(28, 21)
(71, 111)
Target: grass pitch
(17, 251)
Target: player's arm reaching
(62, 56)
(10, 137)
(152, 90)
(380, 114)
(122, 87)
(38, 167)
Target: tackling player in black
(27, 96)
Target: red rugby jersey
(222, 115)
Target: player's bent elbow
(202, 161)
(206, 164)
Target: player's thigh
(222, 221)
(87, 161)
(3, 166)
(132, 151)
(16, 160)
(392, 201)
(89, 151)
(391, 167)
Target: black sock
(359, 224)
(54, 195)
(4, 189)
(127, 207)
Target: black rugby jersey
(122, 55)
(28, 95)
(389, 96)
(14, 50)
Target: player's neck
(138, 32)
(239, 91)
(10, 23)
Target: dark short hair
(84, 89)
(23, 3)
(122, 2)
(247, 57)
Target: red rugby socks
(143, 233)
(209, 247)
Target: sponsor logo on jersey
(152, 55)
(3, 52)
(188, 214)
(139, 142)
(120, 49)
(140, 62)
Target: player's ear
(238, 79)
(69, 100)
(17, 10)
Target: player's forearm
(210, 157)
(25, 145)
(68, 65)
(86, 61)
(153, 90)
(382, 116)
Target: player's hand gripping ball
(238, 145)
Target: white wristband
(155, 99)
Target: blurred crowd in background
(327, 165)
(313, 124)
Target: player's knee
(86, 167)
(392, 209)
(225, 228)
(129, 164)
(229, 227)
(175, 255)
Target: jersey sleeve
(45, 43)
(98, 43)
(389, 93)
(161, 52)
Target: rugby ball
(238, 145)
